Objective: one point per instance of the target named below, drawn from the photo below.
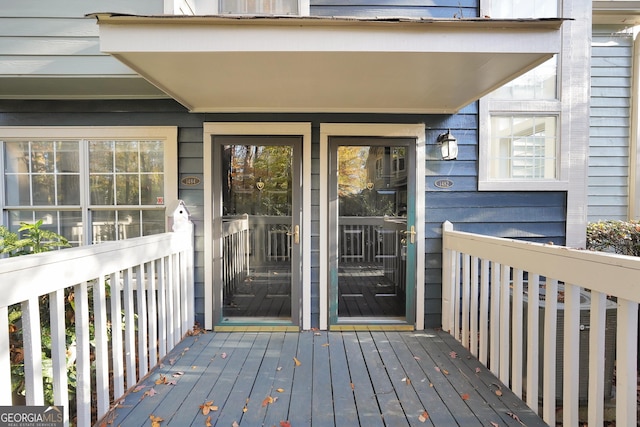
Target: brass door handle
(295, 234)
(412, 234)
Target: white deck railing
(492, 289)
(141, 287)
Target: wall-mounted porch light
(448, 145)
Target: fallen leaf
(430, 384)
(453, 354)
(177, 374)
(285, 424)
(207, 422)
(465, 396)
(208, 407)
(172, 361)
(477, 370)
(423, 417)
(138, 388)
(155, 421)
(223, 355)
(494, 424)
(235, 424)
(353, 386)
(325, 344)
(444, 371)
(151, 392)
(172, 382)
(498, 392)
(279, 368)
(280, 390)
(297, 362)
(267, 400)
(416, 357)
(436, 368)
(162, 379)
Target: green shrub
(621, 237)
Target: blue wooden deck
(321, 379)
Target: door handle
(411, 233)
(295, 234)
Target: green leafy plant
(621, 237)
(32, 239)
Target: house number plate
(443, 183)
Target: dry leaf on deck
(515, 417)
(465, 396)
(155, 421)
(280, 390)
(235, 424)
(285, 424)
(267, 400)
(478, 370)
(162, 379)
(453, 354)
(494, 424)
(223, 355)
(207, 422)
(208, 407)
(138, 388)
(353, 387)
(325, 344)
(297, 362)
(151, 392)
(177, 374)
(444, 371)
(423, 417)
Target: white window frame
(490, 107)
(212, 7)
(168, 134)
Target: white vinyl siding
(611, 71)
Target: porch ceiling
(278, 64)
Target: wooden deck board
(345, 379)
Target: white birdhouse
(178, 216)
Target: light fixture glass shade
(448, 146)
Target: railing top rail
(30, 276)
(613, 274)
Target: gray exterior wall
(611, 71)
(535, 216)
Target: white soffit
(278, 64)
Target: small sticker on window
(159, 200)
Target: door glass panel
(372, 222)
(260, 239)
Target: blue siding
(396, 8)
(535, 216)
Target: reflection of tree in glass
(259, 180)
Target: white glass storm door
(257, 214)
(372, 228)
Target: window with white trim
(519, 122)
(263, 7)
(88, 184)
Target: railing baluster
(162, 307)
(168, 283)
(129, 330)
(494, 322)
(117, 354)
(505, 324)
(141, 300)
(101, 348)
(32, 343)
(83, 354)
(473, 307)
(516, 333)
(5, 360)
(626, 361)
(571, 355)
(153, 314)
(549, 357)
(59, 352)
(457, 296)
(596, 358)
(466, 261)
(533, 336)
(177, 303)
(484, 312)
